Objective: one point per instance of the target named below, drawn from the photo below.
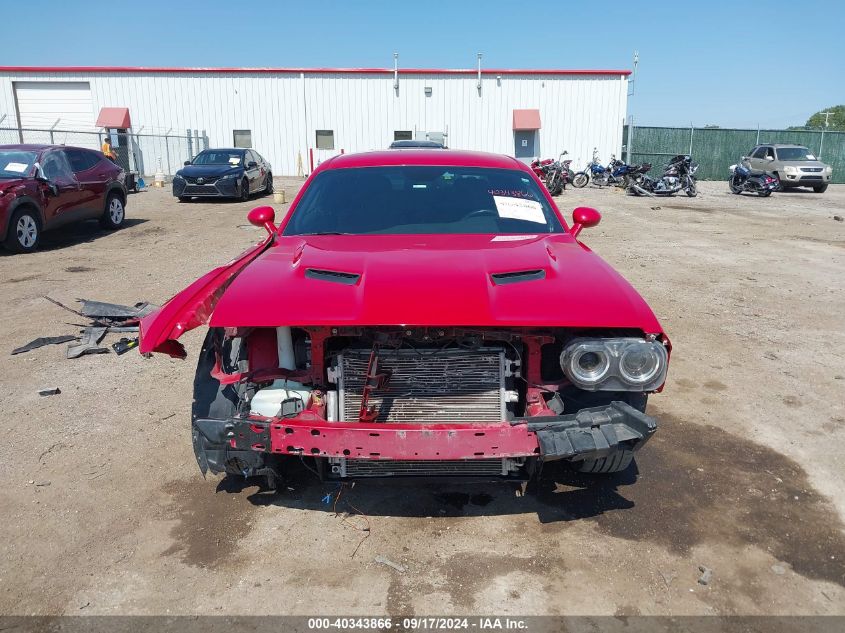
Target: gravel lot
(105, 512)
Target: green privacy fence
(716, 149)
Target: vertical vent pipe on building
(396, 72)
(479, 73)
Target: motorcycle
(743, 178)
(559, 175)
(541, 168)
(679, 175)
(601, 176)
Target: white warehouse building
(298, 117)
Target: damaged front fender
(193, 306)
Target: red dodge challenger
(417, 313)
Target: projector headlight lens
(615, 364)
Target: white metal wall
(578, 112)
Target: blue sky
(723, 63)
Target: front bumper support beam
(588, 434)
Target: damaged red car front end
(418, 313)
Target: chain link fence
(144, 154)
(716, 149)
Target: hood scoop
(348, 279)
(501, 279)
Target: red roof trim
(274, 71)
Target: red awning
(526, 119)
(115, 118)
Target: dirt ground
(104, 510)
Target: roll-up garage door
(41, 104)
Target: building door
(65, 105)
(525, 145)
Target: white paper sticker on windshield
(234, 160)
(16, 167)
(519, 209)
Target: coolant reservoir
(268, 401)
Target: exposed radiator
(427, 386)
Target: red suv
(43, 187)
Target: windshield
(218, 157)
(15, 163)
(795, 153)
(407, 200)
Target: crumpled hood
(206, 171)
(431, 280)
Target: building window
(403, 135)
(243, 138)
(325, 139)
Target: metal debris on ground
(124, 345)
(52, 391)
(42, 341)
(838, 218)
(105, 317)
(386, 561)
(706, 575)
(89, 343)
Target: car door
(263, 168)
(252, 171)
(62, 204)
(92, 178)
(756, 160)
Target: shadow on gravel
(693, 484)
(80, 233)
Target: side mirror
(584, 218)
(186, 163)
(252, 164)
(263, 216)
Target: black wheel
(820, 189)
(24, 231)
(616, 462)
(218, 402)
(268, 184)
(691, 190)
(764, 193)
(580, 180)
(734, 187)
(184, 199)
(244, 190)
(115, 212)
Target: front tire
(24, 231)
(616, 462)
(268, 185)
(580, 180)
(691, 189)
(734, 187)
(115, 213)
(244, 190)
(820, 189)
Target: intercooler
(426, 385)
(359, 468)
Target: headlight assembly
(615, 364)
(789, 169)
(228, 176)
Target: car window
(218, 157)
(16, 163)
(415, 199)
(770, 152)
(54, 166)
(250, 157)
(795, 153)
(760, 152)
(80, 160)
